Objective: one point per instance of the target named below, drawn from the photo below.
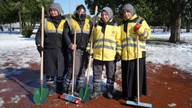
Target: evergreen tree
(24, 11)
(166, 13)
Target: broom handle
(73, 79)
(42, 44)
(138, 83)
(91, 49)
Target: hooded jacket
(53, 37)
(83, 29)
(106, 41)
(128, 38)
(53, 27)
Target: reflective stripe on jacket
(86, 28)
(129, 41)
(53, 36)
(50, 27)
(82, 31)
(107, 43)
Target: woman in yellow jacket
(106, 51)
(133, 26)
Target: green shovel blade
(87, 94)
(81, 92)
(40, 95)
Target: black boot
(110, 94)
(96, 90)
(69, 91)
(66, 87)
(110, 91)
(50, 84)
(95, 94)
(59, 87)
(134, 98)
(51, 88)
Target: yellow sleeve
(118, 40)
(144, 31)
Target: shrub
(27, 31)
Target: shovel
(41, 94)
(85, 93)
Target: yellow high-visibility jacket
(86, 28)
(50, 27)
(128, 38)
(82, 33)
(53, 37)
(106, 41)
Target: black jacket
(82, 39)
(52, 40)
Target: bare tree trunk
(177, 8)
(20, 22)
(175, 30)
(10, 30)
(188, 25)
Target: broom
(71, 97)
(138, 103)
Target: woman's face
(105, 16)
(53, 12)
(127, 14)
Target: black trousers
(81, 62)
(54, 62)
(129, 78)
(97, 73)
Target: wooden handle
(89, 65)
(73, 71)
(138, 83)
(42, 44)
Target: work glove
(89, 54)
(136, 27)
(40, 48)
(117, 58)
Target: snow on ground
(5, 90)
(178, 55)
(1, 102)
(17, 52)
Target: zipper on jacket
(103, 44)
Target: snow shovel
(71, 97)
(85, 93)
(138, 103)
(41, 94)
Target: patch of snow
(2, 81)
(178, 55)
(15, 99)
(5, 90)
(1, 102)
(17, 51)
(2, 75)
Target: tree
(142, 8)
(165, 13)
(176, 13)
(25, 11)
(188, 15)
(7, 13)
